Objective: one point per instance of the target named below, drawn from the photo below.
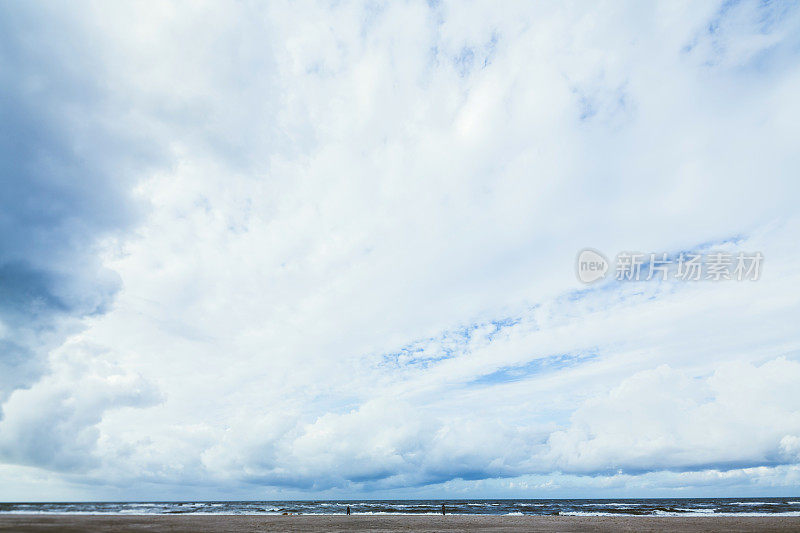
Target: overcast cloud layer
(265, 250)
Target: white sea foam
(622, 505)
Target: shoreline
(37, 523)
(402, 515)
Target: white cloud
(356, 273)
(54, 423)
(664, 417)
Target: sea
(567, 507)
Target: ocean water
(614, 507)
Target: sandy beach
(179, 524)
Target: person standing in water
(442, 509)
(348, 509)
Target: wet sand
(195, 523)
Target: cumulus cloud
(53, 423)
(665, 419)
(353, 267)
(382, 444)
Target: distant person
(348, 509)
(442, 509)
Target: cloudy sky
(271, 250)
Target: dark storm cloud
(67, 161)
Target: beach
(319, 523)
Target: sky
(272, 250)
